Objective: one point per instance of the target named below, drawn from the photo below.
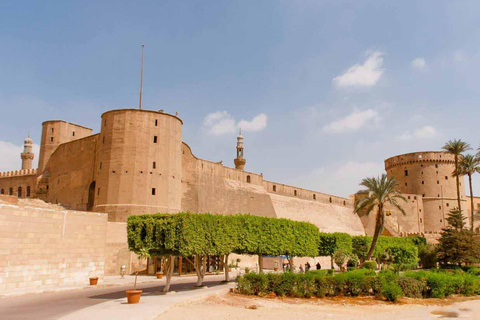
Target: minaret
(27, 154)
(239, 160)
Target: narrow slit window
(154, 165)
(98, 192)
(248, 179)
(330, 199)
(406, 173)
(51, 139)
(314, 197)
(155, 139)
(274, 188)
(153, 191)
(156, 122)
(73, 134)
(295, 193)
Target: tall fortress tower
(429, 176)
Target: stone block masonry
(45, 245)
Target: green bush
(473, 271)
(330, 271)
(392, 291)
(427, 284)
(371, 265)
(413, 288)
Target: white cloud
(364, 75)
(341, 179)
(10, 159)
(354, 121)
(418, 63)
(425, 132)
(258, 123)
(219, 123)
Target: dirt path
(239, 307)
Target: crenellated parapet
(17, 173)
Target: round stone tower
(27, 154)
(429, 175)
(139, 164)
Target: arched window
(248, 179)
(295, 192)
(274, 188)
(28, 192)
(344, 202)
(19, 192)
(314, 197)
(10, 191)
(330, 199)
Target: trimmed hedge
(185, 234)
(362, 282)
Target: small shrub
(473, 271)
(392, 291)
(286, 284)
(254, 283)
(350, 269)
(413, 288)
(304, 286)
(371, 265)
(330, 271)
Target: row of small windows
(274, 188)
(154, 166)
(153, 191)
(19, 192)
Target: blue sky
(324, 90)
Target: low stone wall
(45, 245)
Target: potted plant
(93, 281)
(275, 268)
(247, 269)
(133, 296)
(159, 275)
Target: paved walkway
(107, 281)
(108, 300)
(152, 304)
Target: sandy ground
(233, 306)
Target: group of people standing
(308, 267)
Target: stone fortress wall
(428, 175)
(45, 245)
(139, 164)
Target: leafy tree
(456, 147)
(468, 165)
(402, 254)
(457, 245)
(428, 255)
(340, 257)
(380, 191)
(329, 243)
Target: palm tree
(457, 147)
(380, 191)
(468, 165)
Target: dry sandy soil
(233, 306)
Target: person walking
(319, 266)
(301, 268)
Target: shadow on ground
(157, 290)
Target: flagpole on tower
(141, 78)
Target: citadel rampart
(428, 175)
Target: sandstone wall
(397, 223)
(69, 172)
(45, 245)
(139, 163)
(10, 182)
(327, 217)
(429, 175)
(117, 253)
(56, 132)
